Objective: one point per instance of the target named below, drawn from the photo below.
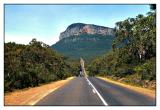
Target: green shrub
(33, 64)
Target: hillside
(84, 40)
(84, 45)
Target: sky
(46, 22)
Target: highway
(92, 91)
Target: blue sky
(45, 22)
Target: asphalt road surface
(92, 91)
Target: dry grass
(144, 91)
(31, 96)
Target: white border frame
(2, 2)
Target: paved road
(94, 91)
(118, 95)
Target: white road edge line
(41, 97)
(102, 99)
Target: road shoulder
(144, 91)
(32, 95)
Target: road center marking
(95, 90)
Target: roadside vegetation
(34, 64)
(133, 56)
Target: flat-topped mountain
(77, 29)
(84, 40)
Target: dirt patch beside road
(147, 92)
(31, 96)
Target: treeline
(33, 64)
(133, 55)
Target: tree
(33, 64)
(133, 51)
(153, 6)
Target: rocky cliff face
(80, 28)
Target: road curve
(80, 92)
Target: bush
(147, 70)
(33, 64)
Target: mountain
(77, 29)
(84, 40)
